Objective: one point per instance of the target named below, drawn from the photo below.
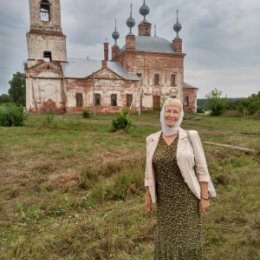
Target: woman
(171, 182)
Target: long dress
(178, 234)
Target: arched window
(186, 101)
(113, 100)
(129, 99)
(47, 56)
(79, 99)
(156, 79)
(97, 100)
(45, 11)
(173, 79)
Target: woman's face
(171, 115)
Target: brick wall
(190, 99)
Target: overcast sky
(221, 38)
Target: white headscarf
(167, 131)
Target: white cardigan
(186, 156)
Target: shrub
(251, 105)
(85, 113)
(200, 110)
(12, 115)
(215, 103)
(122, 121)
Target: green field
(71, 190)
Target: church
(139, 75)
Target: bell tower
(45, 40)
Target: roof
(186, 85)
(152, 44)
(119, 70)
(82, 68)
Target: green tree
(4, 98)
(252, 104)
(215, 103)
(17, 88)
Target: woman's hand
(148, 201)
(203, 205)
(204, 201)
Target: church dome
(130, 22)
(151, 44)
(177, 27)
(115, 35)
(144, 9)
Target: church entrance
(156, 102)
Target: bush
(122, 121)
(200, 110)
(215, 103)
(12, 115)
(86, 113)
(251, 105)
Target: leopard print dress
(178, 234)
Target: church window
(129, 99)
(173, 79)
(114, 100)
(47, 57)
(186, 101)
(45, 11)
(156, 79)
(140, 76)
(97, 99)
(79, 100)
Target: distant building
(140, 74)
(189, 97)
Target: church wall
(190, 99)
(38, 43)
(37, 24)
(104, 87)
(44, 88)
(149, 64)
(44, 95)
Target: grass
(71, 190)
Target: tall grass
(71, 190)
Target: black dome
(144, 9)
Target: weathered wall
(190, 103)
(44, 89)
(45, 35)
(105, 83)
(53, 25)
(149, 64)
(38, 43)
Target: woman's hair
(173, 102)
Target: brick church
(139, 75)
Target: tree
(17, 88)
(252, 104)
(4, 98)
(215, 103)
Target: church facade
(139, 76)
